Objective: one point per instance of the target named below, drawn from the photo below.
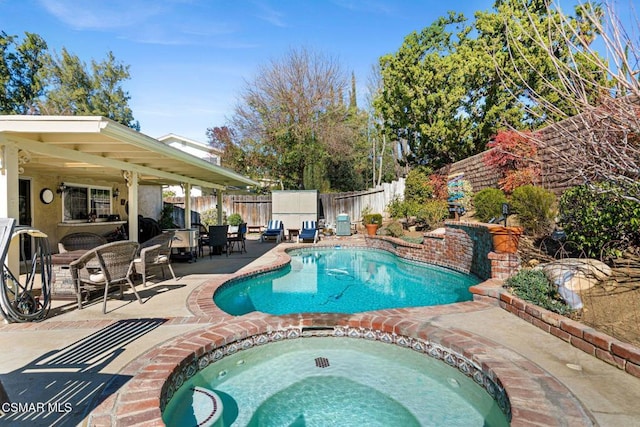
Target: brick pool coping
(535, 396)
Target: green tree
(423, 93)
(108, 96)
(73, 89)
(20, 73)
(449, 88)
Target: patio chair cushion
(275, 229)
(309, 231)
(97, 277)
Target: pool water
(339, 280)
(361, 382)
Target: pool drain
(322, 362)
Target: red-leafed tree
(232, 157)
(513, 154)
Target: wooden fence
(256, 210)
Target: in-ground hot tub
(335, 380)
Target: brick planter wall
(464, 247)
(611, 350)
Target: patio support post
(219, 205)
(132, 185)
(9, 205)
(187, 205)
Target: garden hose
(27, 302)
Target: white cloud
(270, 15)
(102, 15)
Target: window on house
(81, 203)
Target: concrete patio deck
(54, 361)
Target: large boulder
(576, 274)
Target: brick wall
(556, 175)
(464, 247)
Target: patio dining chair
(308, 232)
(218, 239)
(275, 230)
(103, 267)
(155, 253)
(237, 239)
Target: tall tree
(423, 92)
(20, 73)
(449, 88)
(292, 118)
(108, 96)
(74, 89)
(232, 157)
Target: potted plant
(505, 239)
(372, 221)
(234, 220)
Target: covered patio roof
(94, 147)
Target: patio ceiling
(94, 147)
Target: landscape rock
(576, 274)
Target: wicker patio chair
(82, 240)
(107, 265)
(155, 253)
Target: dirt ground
(613, 309)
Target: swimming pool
(344, 280)
(336, 381)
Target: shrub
(394, 230)
(418, 186)
(234, 219)
(533, 286)
(398, 208)
(433, 213)
(210, 217)
(512, 154)
(593, 216)
(488, 203)
(535, 209)
(372, 218)
(439, 185)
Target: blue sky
(190, 59)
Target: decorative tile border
(434, 350)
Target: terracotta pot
(505, 239)
(371, 229)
